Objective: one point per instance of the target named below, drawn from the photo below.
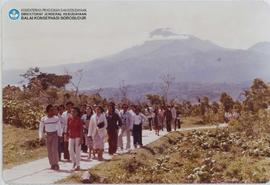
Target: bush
(22, 113)
(252, 123)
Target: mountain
(186, 57)
(263, 47)
(181, 91)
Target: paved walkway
(39, 172)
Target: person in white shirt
(126, 127)
(98, 130)
(174, 116)
(88, 140)
(65, 116)
(50, 124)
(58, 112)
(149, 115)
(138, 120)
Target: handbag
(101, 125)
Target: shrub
(252, 123)
(22, 113)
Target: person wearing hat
(114, 123)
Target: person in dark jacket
(168, 118)
(114, 123)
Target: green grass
(20, 146)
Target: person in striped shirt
(50, 126)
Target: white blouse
(93, 128)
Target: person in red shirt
(75, 135)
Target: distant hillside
(187, 58)
(181, 91)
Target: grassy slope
(172, 158)
(20, 146)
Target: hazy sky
(112, 26)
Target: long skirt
(98, 142)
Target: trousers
(137, 134)
(124, 130)
(74, 148)
(52, 148)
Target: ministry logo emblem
(14, 14)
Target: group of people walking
(163, 116)
(70, 130)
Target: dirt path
(38, 171)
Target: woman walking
(75, 135)
(50, 124)
(114, 123)
(97, 131)
(88, 140)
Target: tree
(215, 107)
(204, 104)
(257, 96)
(167, 81)
(31, 73)
(226, 101)
(75, 82)
(37, 79)
(155, 99)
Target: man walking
(66, 115)
(126, 127)
(51, 125)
